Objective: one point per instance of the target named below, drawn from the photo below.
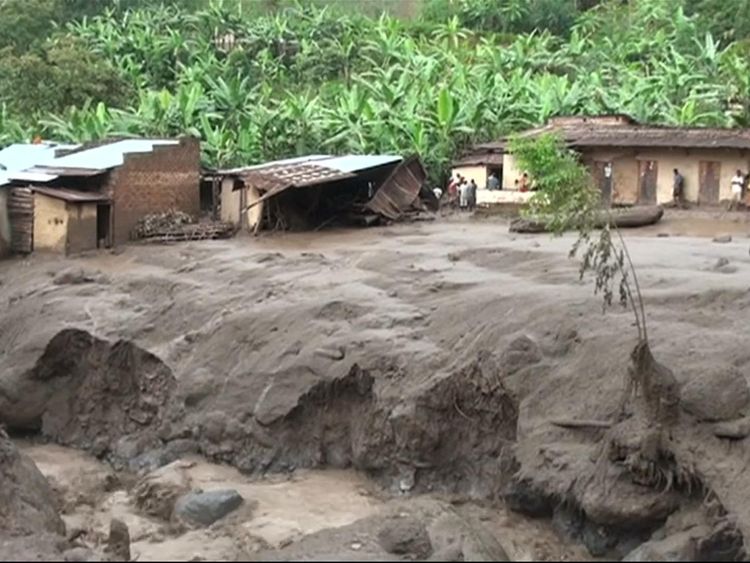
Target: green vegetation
(268, 79)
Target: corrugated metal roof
(73, 196)
(21, 156)
(346, 163)
(356, 163)
(110, 155)
(400, 190)
(296, 160)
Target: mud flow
(442, 391)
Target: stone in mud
(677, 547)
(334, 353)
(27, 504)
(75, 276)
(205, 508)
(568, 521)
(724, 543)
(717, 395)
(157, 493)
(405, 536)
(734, 429)
(118, 542)
(521, 496)
(521, 352)
(723, 238)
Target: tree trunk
(620, 218)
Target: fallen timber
(624, 218)
(197, 231)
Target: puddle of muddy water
(278, 510)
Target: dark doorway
(103, 222)
(497, 171)
(207, 196)
(602, 173)
(710, 174)
(649, 172)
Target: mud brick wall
(167, 178)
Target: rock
(724, 543)
(75, 276)
(568, 521)
(81, 554)
(723, 266)
(662, 235)
(331, 353)
(521, 352)
(521, 496)
(723, 238)
(157, 493)
(118, 542)
(205, 508)
(720, 394)
(27, 502)
(734, 429)
(598, 539)
(677, 547)
(405, 536)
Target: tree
(566, 199)
(61, 75)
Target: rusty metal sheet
(400, 191)
(281, 177)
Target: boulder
(118, 542)
(723, 238)
(405, 536)
(678, 547)
(27, 502)
(719, 394)
(205, 508)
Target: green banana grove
(308, 80)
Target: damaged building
(630, 162)
(93, 197)
(314, 191)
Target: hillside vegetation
(258, 84)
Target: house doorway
(710, 174)
(602, 172)
(498, 172)
(103, 224)
(649, 173)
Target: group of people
(464, 191)
(738, 189)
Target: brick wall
(167, 178)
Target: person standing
(524, 185)
(493, 182)
(678, 189)
(463, 194)
(738, 181)
(471, 199)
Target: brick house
(129, 179)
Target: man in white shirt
(738, 183)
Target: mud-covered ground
(432, 358)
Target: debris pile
(174, 226)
